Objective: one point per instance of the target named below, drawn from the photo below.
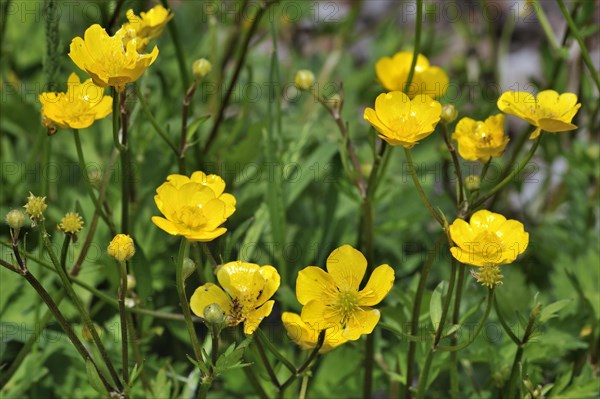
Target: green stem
(123, 318)
(265, 361)
(546, 27)
(508, 178)
(478, 329)
(89, 324)
(106, 298)
(584, 51)
(181, 62)
(62, 321)
(504, 324)
(417, 45)
(154, 123)
(269, 345)
(457, 170)
(209, 255)
(88, 184)
(64, 251)
(304, 365)
(425, 374)
(513, 383)
(238, 68)
(456, 320)
(446, 306)
(185, 307)
(27, 347)
(416, 313)
(125, 167)
(419, 188)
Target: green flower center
(347, 304)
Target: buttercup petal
(362, 322)
(313, 283)
(256, 316)
(208, 294)
(379, 285)
(347, 267)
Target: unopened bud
(304, 79)
(201, 68)
(335, 102)
(472, 182)
(449, 113)
(15, 219)
(213, 314)
(189, 266)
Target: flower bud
(335, 102)
(15, 219)
(189, 266)
(214, 315)
(449, 113)
(472, 182)
(35, 208)
(201, 67)
(121, 247)
(87, 334)
(304, 79)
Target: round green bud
(189, 266)
(213, 314)
(201, 68)
(449, 114)
(304, 79)
(472, 182)
(15, 219)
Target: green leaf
(552, 310)
(94, 378)
(435, 304)
(232, 357)
(161, 385)
(194, 125)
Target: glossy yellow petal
(347, 267)
(307, 338)
(165, 225)
(208, 294)
(363, 321)
(178, 180)
(272, 281)
(379, 285)
(242, 281)
(229, 201)
(319, 316)
(518, 103)
(555, 126)
(205, 236)
(299, 331)
(485, 219)
(389, 78)
(256, 316)
(214, 210)
(313, 283)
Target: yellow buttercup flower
(549, 111)
(247, 289)
(307, 337)
(332, 299)
(81, 105)
(194, 207)
(481, 140)
(488, 239)
(121, 247)
(107, 59)
(71, 223)
(392, 73)
(145, 27)
(402, 121)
